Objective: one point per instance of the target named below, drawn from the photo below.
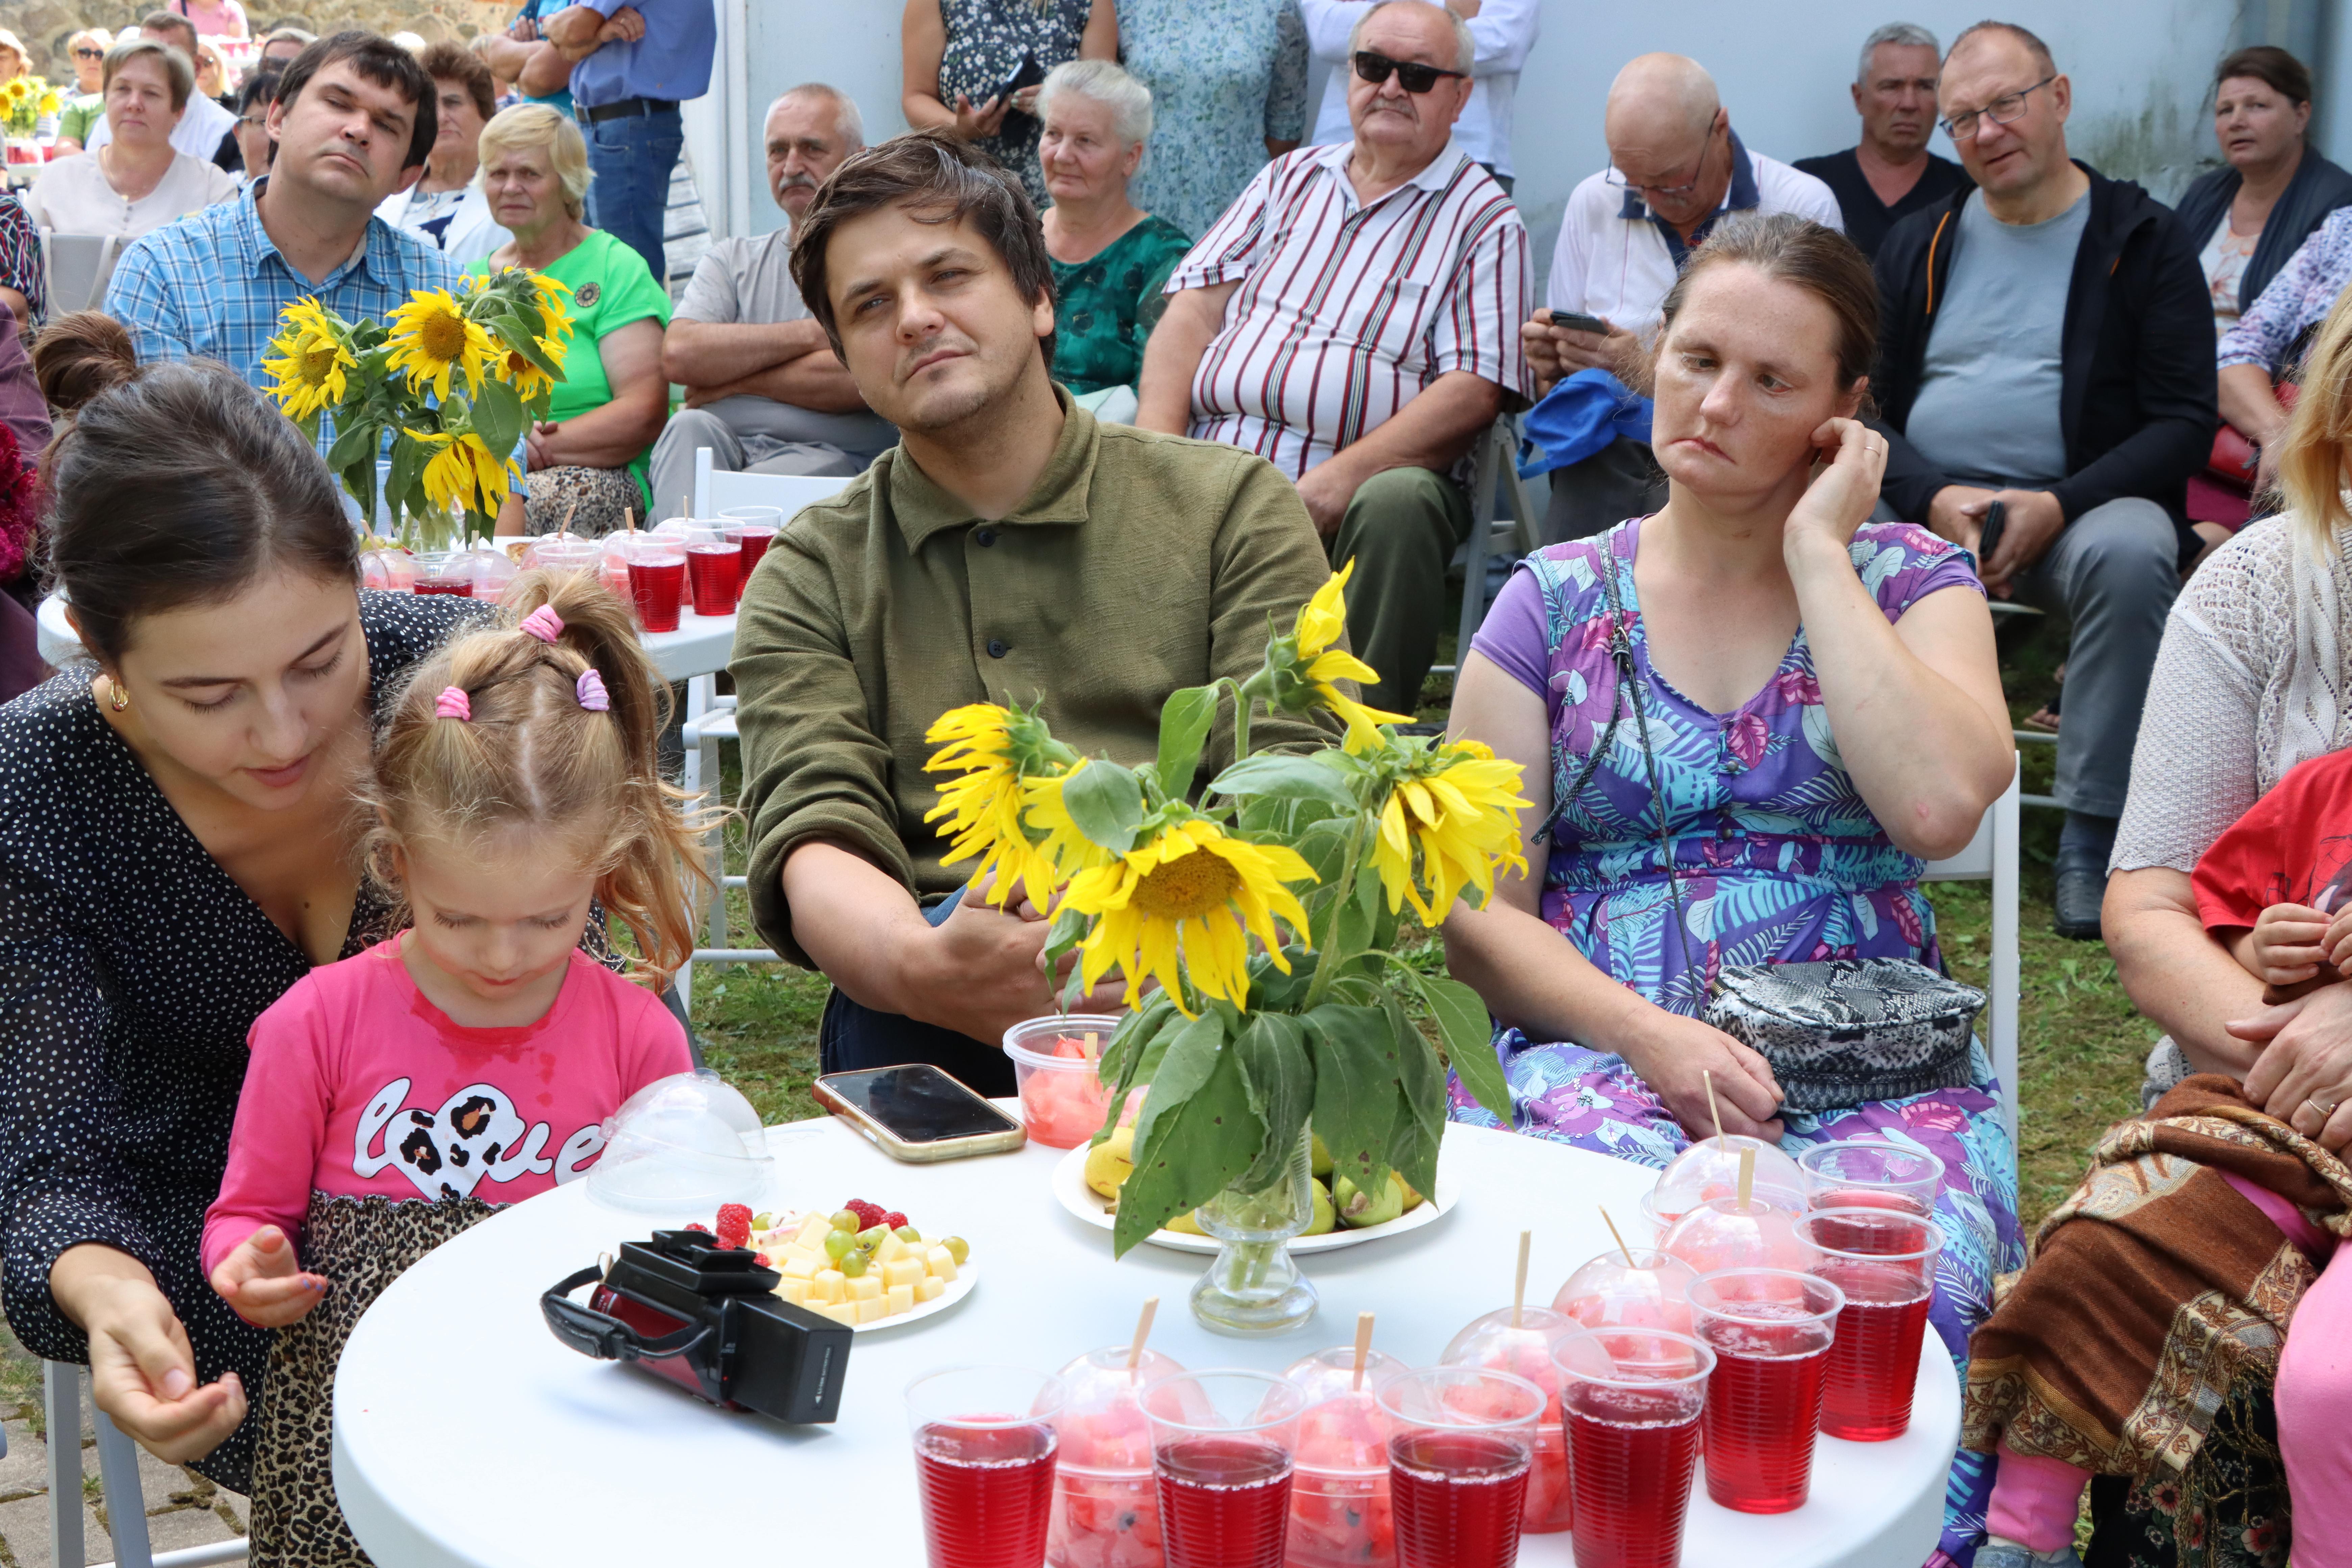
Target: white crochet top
(2250, 680)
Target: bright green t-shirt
(78, 115)
(611, 287)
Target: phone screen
(919, 1104)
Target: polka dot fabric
(130, 968)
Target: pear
(1320, 1160)
(1111, 1162)
(1326, 1215)
(1413, 1199)
(1185, 1223)
(1357, 1209)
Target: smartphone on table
(918, 1113)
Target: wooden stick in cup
(1747, 1176)
(567, 517)
(1142, 1333)
(1519, 1285)
(1363, 1347)
(1621, 1239)
(628, 519)
(1713, 1110)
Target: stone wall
(45, 25)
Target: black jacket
(2138, 400)
(2318, 188)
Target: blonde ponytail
(2312, 468)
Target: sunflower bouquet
(1255, 927)
(450, 381)
(24, 101)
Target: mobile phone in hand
(1577, 322)
(1989, 537)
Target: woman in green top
(88, 102)
(1111, 258)
(587, 461)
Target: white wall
(2139, 69)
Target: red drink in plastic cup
(452, 590)
(714, 563)
(984, 1449)
(1632, 1399)
(1771, 1331)
(1884, 1262)
(752, 527)
(1457, 1496)
(1865, 1174)
(1224, 1502)
(657, 579)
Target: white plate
(1070, 1187)
(966, 1278)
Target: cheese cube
(865, 1288)
(940, 1262)
(828, 1286)
(813, 1230)
(931, 1289)
(798, 1266)
(892, 1247)
(870, 1310)
(842, 1312)
(902, 1271)
(900, 1297)
(796, 1291)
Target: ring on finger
(2326, 1108)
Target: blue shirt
(671, 62)
(213, 285)
(538, 11)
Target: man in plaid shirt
(354, 120)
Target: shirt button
(997, 648)
(984, 537)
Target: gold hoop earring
(120, 698)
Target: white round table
(465, 1434)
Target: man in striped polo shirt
(1354, 319)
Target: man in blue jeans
(632, 64)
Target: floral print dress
(1778, 859)
(989, 42)
(1225, 76)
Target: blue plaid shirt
(213, 285)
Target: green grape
(908, 1232)
(958, 1249)
(839, 1244)
(852, 1265)
(847, 1220)
(870, 1239)
(764, 1222)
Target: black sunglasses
(1413, 79)
(86, 52)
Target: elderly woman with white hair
(1111, 258)
(587, 460)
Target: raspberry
(761, 1259)
(734, 1224)
(703, 1228)
(895, 1220)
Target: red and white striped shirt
(1346, 311)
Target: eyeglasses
(2002, 110)
(86, 53)
(1415, 79)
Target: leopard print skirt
(362, 1245)
(592, 500)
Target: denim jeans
(631, 156)
(853, 1036)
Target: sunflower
(315, 351)
(463, 469)
(555, 325)
(992, 746)
(1319, 626)
(430, 337)
(1065, 845)
(1459, 808)
(1183, 903)
(527, 379)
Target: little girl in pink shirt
(401, 1096)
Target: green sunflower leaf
(1355, 1087)
(1185, 723)
(1106, 800)
(1284, 777)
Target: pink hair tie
(544, 624)
(591, 693)
(452, 703)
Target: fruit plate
(1070, 1187)
(966, 1278)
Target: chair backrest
(715, 491)
(78, 267)
(1991, 856)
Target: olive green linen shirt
(1141, 564)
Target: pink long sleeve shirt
(358, 1085)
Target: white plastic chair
(709, 721)
(1992, 854)
(1493, 460)
(78, 267)
(118, 1471)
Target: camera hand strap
(605, 1337)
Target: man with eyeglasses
(1889, 174)
(1675, 168)
(1503, 31)
(1352, 318)
(2047, 346)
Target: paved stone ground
(183, 1509)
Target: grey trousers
(2114, 574)
(1619, 481)
(744, 435)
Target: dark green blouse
(1106, 305)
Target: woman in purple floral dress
(1823, 714)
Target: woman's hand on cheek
(1844, 492)
(1677, 1056)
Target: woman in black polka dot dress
(175, 851)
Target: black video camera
(706, 1318)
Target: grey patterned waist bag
(1836, 1032)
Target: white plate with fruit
(1081, 1193)
(862, 1266)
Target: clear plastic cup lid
(1103, 1426)
(1490, 1341)
(1710, 1169)
(687, 1143)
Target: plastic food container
(684, 1143)
(1643, 1289)
(1720, 1234)
(1710, 1169)
(1490, 1343)
(1105, 1503)
(1062, 1101)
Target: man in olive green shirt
(1009, 548)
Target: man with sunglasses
(2047, 346)
(1352, 318)
(1503, 31)
(1675, 168)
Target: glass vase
(1254, 1288)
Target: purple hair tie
(544, 624)
(452, 703)
(591, 693)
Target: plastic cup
(564, 552)
(754, 527)
(1642, 1289)
(392, 570)
(1884, 1262)
(1632, 1398)
(714, 567)
(985, 1442)
(1106, 1501)
(445, 572)
(1492, 1341)
(1462, 1444)
(1770, 1330)
(1341, 1512)
(656, 580)
(1223, 1443)
(494, 569)
(1710, 1169)
(1064, 1102)
(1863, 1174)
(1721, 1234)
